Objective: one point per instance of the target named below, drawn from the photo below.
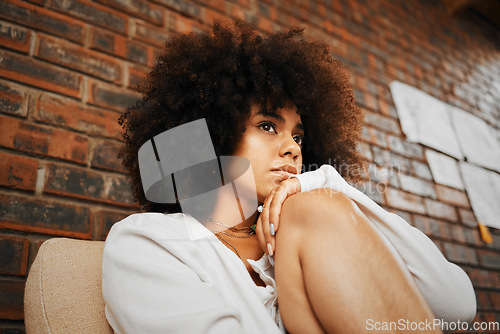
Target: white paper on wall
(477, 139)
(444, 169)
(483, 188)
(424, 119)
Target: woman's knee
(311, 217)
(316, 208)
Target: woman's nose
(289, 147)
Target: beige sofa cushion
(64, 288)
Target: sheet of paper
(444, 169)
(483, 188)
(477, 139)
(424, 119)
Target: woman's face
(272, 142)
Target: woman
(334, 259)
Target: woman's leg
(334, 272)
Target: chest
(245, 248)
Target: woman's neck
(232, 211)
(223, 205)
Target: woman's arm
(147, 289)
(445, 286)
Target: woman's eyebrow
(278, 117)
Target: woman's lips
(282, 174)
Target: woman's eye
(268, 127)
(299, 140)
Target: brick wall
(68, 68)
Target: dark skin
(271, 140)
(308, 281)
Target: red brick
(120, 46)
(492, 319)
(432, 227)
(265, 24)
(472, 237)
(402, 147)
(495, 299)
(93, 13)
(364, 149)
(404, 201)
(105, 220)
(489, 259)
(44, 216)
(138, 8)
(483, 302)
(148, 33)
(452, 196)
(399, 163)
(76, 57)
(483, 278)
(13, 98)
(184, 7)
(14, 255)
(237, 12)
(381, 156)
(219, 5)
(110, 96)
(210, 16)
(384, 175)
(183, 24)
(374, 136)
(74, 115)
(458, 233)
(42, 19)
(383, 123)
(416, 185)
(88, 184)
(369, 102)
(24, 136)
(17, 172)
(105, 155)
(460, 254)
(14, 37)
(496, 239)
(440, 210)
(11, 299)
(40, 74)
(384, 108)
(136, 75)
(421, 170)
(467, 217)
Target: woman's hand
(269, 219)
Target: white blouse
(170, 274)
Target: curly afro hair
(219, 75)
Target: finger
(287, 189)
(260, 234)
(275, 209)
(269, 239)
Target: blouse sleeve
(445, 286)
(147, 289)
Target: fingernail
(269, 249)
(272, 229)
(271, 260)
